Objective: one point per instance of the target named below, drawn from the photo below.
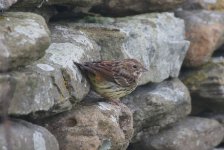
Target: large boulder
(24, 37)
(205, 31)
(22, 135)
(93, 127)
(156, 106)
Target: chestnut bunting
(112, 79)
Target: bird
(112, 79)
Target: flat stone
(27, 136)
(93, 126)
(109, 8)
(24, 37)
(158, 105)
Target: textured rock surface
(7, 90)
(24, 37)
(5, 4)
(191, 133)
(157, 40)
(130, 7)
(156, 106)
(94, 126)
(27, 136)
(50, 84)
(217, 5)
(205, 31)
(206, 85)
(110, 8)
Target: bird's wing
(99, 69)
(112, 71)
(123, 77)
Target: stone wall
(178, 104)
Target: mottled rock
(5, 4)
(216, 116)
(92, 127)
(156, 40)
(217, 5)
(36, 92)
(191, 133)
(205, 31)
(77, 5)
(156, 106)
(52, 83)
(70, 45)
(26, 136)
(24, 37)
(109, 8)
(206, 85)
(130, 7)
(7, 88)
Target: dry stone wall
(50, 104)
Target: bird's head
(134, 67)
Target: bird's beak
(144, 69)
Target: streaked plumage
(113, 79)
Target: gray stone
(5, 4)
(24, 37)
(26, 136)
(156, 106)
(206, 85)
(7, 89)
(157, 40)
(77, 5)
(216, 116)
(192, 133)
(36, 92)
(109, 8)
(100, 126)
(52, 83)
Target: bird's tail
(85, 70)
(81, 67)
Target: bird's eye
(134, 66)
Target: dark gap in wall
(219, 52)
